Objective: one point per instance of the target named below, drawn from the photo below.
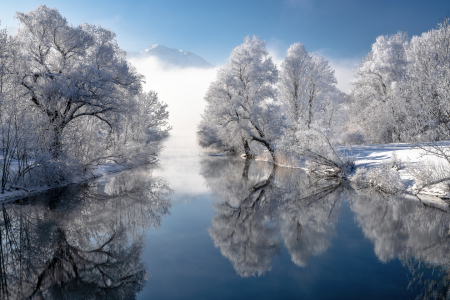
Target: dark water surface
(230, 229)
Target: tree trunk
(246, 168)
(310, 101)
(248, 152)
(56, 146)
(309, 113)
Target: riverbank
(99, 171)
(402, 158)
(403, 161)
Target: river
(203, 227)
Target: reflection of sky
(180, 167)
(184, 264)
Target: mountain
(173, 57)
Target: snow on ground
(372, 156)
(102, 171)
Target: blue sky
(337, 28)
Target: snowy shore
(364, 156)
(99, 171)
(373, 156)
(406, 158)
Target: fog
(183, 90)
(343, 70)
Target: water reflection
(258, 206)
(87, 242)
(416, 235)
(80, 242)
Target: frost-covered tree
(378, 107)
(17, 137)
(70, 73)
(427, 87)
(143, 127)
(305, 82)
(310, 102)
(321, 82)
(243, 112)
(70, 100)
(136, 138)
(239, 103)
(428, 82)
(293, 82)
(310, 99)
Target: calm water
(221, 228)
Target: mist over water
(182, 89)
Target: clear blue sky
(211, 28)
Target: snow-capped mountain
(173, 57)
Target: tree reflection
(258, 206)
(417, 235)
(80, 242)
